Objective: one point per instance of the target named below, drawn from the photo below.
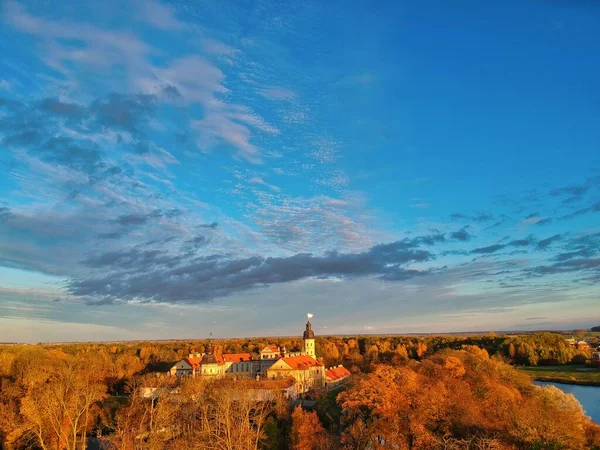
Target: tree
(235, 416)
(307, 432)
(459, 400)
(421, 349)
(511, 350)
(58, 411)
(151, 420)
(11, 424)
(401, 353)
(399, 402)
(549, 418)
(372, 353)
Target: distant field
(575, 374)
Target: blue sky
(173, 169)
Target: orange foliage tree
(460, 399)
(308, 433)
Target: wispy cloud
(488, 249)
(277, 93)
(158, 15)
(191, 79)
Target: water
(588, 396)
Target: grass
(570, 374)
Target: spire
(309, 338)
(308, 333)
(210, 349)
(209, 355)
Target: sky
(174, 169)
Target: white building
(212, 365)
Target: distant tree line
(526, 349)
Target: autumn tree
(59, 409)
(218, 414)
(12, 428)
(237, 417)
(308, 433)
(401, 355)
(151, 420)
(460, 399)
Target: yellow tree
(58, 411)
(151, 420)
(237, 416)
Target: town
(300, 370)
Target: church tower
(309, 339)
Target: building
(306, 370)
(237, 363)
(213, 365)
(336, 376)
(270, 352)
(309, 340)
(274, 363)
(189, 366)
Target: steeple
(209, 355)
(309, 338)
(309, 333)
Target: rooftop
(301, 362)
(337, 373)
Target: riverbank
(570, 374)
(588, 396)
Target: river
(588, 396)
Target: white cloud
(319, 224)
(335, 179)
(218, 48)
(217, 128)
(196, 79)
(277, 93)
(102, 48)
(158, 15)
(326, 151)
(532, 221)
(259, 180)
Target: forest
(406, 392)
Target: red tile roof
(237, 357)
(301, 362)
(337, 373)
(194, 362)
